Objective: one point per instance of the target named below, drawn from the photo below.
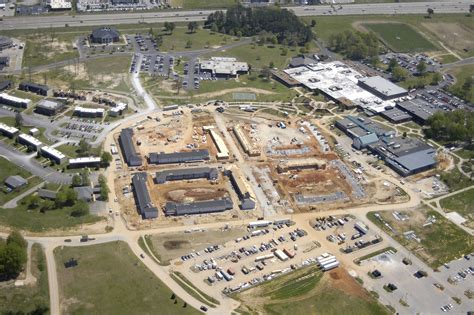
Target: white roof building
(84, 160)
(14, 99)
(339, 82)
(30, 140)
(60, 4)
(7, 129)
(224, 66)
(52, 152)
(90, 111)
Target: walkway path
(14, 202)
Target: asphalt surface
(48, 21)
(28, 163)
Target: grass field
(440, 242)
(461, 73)
(171, 245)
(400, 37)
(192, 289)
(462, 203)
(200, 39)
(33, 220)
(456, 180)
(203, 4)
(110, 279)
(329, 25)
(308, 291)
(44, 48)
(26, 129)
(31, 298)
(9, 169)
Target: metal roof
(186, 173)
(142, 197)
(15, 181)
(128, 149)
(383, 86)
(178, 157)
(198, 207)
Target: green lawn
(192, 289)
(308, 291)
(25, 129)
(455, 180)
(203, 4)
(400, 37)
(462, 203)
(259, 56)
(110, 279)
(461, 73)
(441, 242)
(8, 169)
(200, 39)
(28, 299)
(33, 220)
(329, 25)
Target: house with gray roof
(15, 181)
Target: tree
(85, 177)
(105, 159)
(399, 74)
(33, 201)
(436, 78)
(15, 237)
(12, 256)
(313, 23)
(421, 67)
(18, 120)
(84, 147)
(104, 189)
(192, 27)
(430, 12)
(284, 51)
(71, 197)
(169, 27)
(76, 180)
(81, 208)
(392, 64)
(12, 260)
(189, 44)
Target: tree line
(243, 21)
(455, 126)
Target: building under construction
(198, 207)
(248, 147)
(300, 164)
(242, 188)
(222, 151)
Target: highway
(47, 21)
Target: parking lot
(428, 294)
(259, 255)
(351, 235)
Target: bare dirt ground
(454, 35)
(170, 246)
(226, 91)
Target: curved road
(48, 21)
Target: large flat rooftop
(338, 81)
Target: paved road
(35, 22)
(13, 203)
(28, 163)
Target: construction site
(205, 166)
